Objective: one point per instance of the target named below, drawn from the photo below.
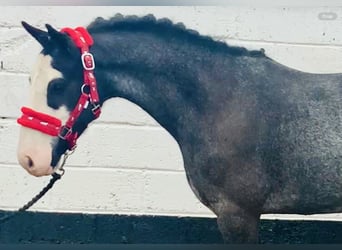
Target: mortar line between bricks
(124, 125)
(104, 168)
(13, 73)
(290, 44)
(10, 27)
(227, 38)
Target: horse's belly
(308, 187)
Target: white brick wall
(126, 163)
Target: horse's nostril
(29, 162)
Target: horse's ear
(58, 39)
(53, 33)
(41, 36)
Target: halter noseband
(53, 126)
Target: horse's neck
(155, 75)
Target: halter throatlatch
(89, 96)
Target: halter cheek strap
(89, 96)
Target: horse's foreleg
(238, 226)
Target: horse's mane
(150, 23)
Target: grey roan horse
(256, 137)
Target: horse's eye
(57, 86)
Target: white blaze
(34, 148)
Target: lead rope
(55, 177)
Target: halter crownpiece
(53, 126)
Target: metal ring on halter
(83, 90)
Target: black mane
(165, 25)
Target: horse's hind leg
(238, 226)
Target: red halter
(53, 126)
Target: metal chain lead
(59, 172)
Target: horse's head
(55, 88)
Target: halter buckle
(96, 110)
(88, 61)
(64, 132)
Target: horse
(255, 136)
